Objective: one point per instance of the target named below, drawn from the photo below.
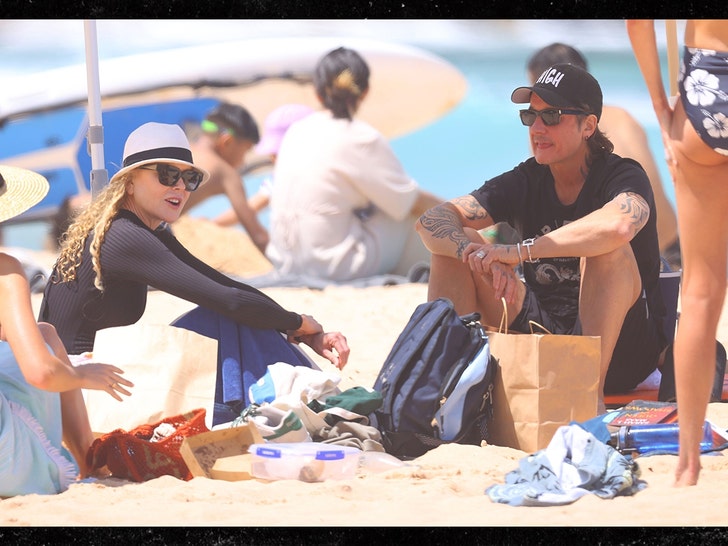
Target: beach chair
(670, 288)
(649, 389)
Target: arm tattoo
(473, 210)
(462, 244)
(635, 206)
(444, 223)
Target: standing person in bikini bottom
(703, 87)
(695, 134)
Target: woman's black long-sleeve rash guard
(133, 258)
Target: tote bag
(173, 371)
(544, 381)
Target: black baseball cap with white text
(564, 86)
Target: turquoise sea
(480, 138)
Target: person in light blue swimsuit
(41, 405)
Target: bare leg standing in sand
(699, 166)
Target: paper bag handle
(503, 326)
(532, 323)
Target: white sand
(447, 488)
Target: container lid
(317, 450)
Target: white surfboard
(43, 122)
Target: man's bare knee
(617, 268)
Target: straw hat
(157, 143)
(20, 189)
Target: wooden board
(201, 452)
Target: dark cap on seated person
(564, 86)
(157, 143)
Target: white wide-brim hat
(157, 143)
(20, 189)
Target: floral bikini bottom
(704, 94)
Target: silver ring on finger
(480, 254)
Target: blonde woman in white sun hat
(120, 245)
(41, 404)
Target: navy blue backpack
(436, 383)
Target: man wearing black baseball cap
(589, 256)
(565, 86)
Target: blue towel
(32, 458)
(244, 354)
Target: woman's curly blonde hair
(96, 218)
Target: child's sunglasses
(169, 175)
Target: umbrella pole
(95, 136)
(672, 54)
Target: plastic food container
(305, 461)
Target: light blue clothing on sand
(574, 464)
(32, 458)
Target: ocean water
(478, 139)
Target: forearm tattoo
(444, 223)
(634, 205)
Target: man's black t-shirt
(526, 198)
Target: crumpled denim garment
(574, 464)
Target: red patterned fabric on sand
(132, 456)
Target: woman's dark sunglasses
(550, 116)
(169, 175)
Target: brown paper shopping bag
(173, 371)
(544, 381)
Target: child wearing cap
(41, 406)
(589, 256)
(229, 132)
(276, 125)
